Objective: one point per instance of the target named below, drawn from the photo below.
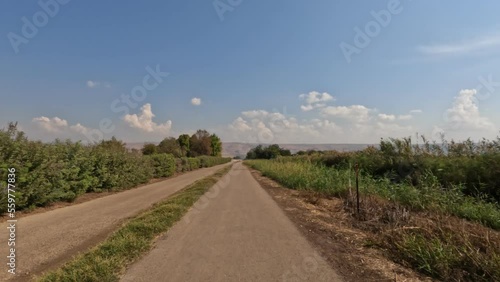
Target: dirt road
(46, 240)
(236, 233)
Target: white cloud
(437, 133)
(260, 126)
(315, 100)
(405, 117)
(357, 113)
(196, 101)
(255, 114)
(306, 108)
(97, 84)
(54, 124)
(93, 84)
(240, 125)
(358, 126)
(80, 128)
(462, 47)
(464, 113)
(416, 111)
(316, 97)
(387, 117)
(144, 121)
(59, 128)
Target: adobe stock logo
(223, 6)
(50, 8)
(363, 38)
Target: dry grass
(439, 245)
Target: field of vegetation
(433, 207)
(63, 170)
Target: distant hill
(233, 149)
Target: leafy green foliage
(194, 163)
(163, 164)
(270, 152)
(215, 145)
(184, 143)
(64, 170)
(149, 149)
(200, 144)
(170, 146)
(206, 161)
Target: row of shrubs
(473, 166)
(64, 170)
(188, 164)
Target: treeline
(269, 152)
(202, 143)
(64, 170)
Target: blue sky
(258, 71)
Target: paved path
(237, 233)
(47, 240)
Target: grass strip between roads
(108, 260)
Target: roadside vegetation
(270, 152)
(107, 261)
(433, 207)
(63, 170)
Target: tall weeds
(303, 175)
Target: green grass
(335, 182)
(448, 254)
(434, 243)
(109, 259)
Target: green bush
(64, 170)
(185, 166)
(194, 163)
(163, 164)
(206, 161)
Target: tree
(270, 152)
(184, 143)
(170, 145)
(285, 152)
(113, 145)
(200, 144)
(149, 149)
(216, 145)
